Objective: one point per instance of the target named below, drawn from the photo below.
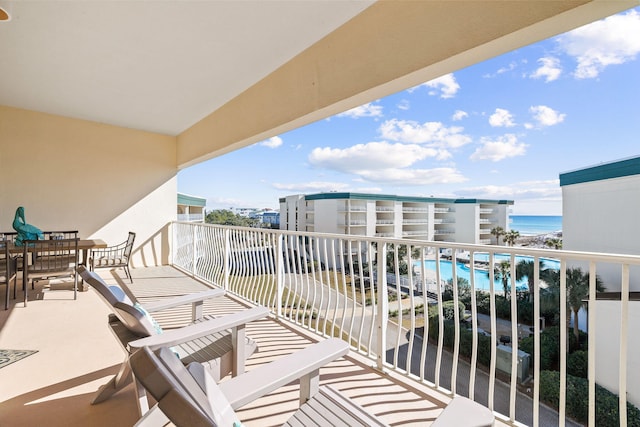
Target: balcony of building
(94, 136)
(390, 354)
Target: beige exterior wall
(101, 180)
(601, 216)
(607, 338)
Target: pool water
(482, 276)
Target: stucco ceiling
(222, 74)
(153, 65)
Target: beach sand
(537, 241)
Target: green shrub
(549, 348)
(447, 310)
(607, 407)
(466, 340)
(578, 364)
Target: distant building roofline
(615, 169)
(186, 199)
(390, 197)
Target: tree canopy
(226, 217)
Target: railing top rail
(476, 248)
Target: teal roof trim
(184, 199)
(612, 170)
(392, 198)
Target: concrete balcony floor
(76, 353)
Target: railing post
(194, 250)
(226, 258)
(383, 304)
(279, 275)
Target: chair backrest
(57, 235)
(8, 265)
(129, 246)
(132, 316)
(178, 394)
(51, 256)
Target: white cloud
(367, 110)
(316, 186)
(414, 176)
(404, 105)
(368, 190)
(459, 115)
(502, 148)
(613, 40)
(383, 162)
(549, 69)
(512, 66)
(532, 197)
(273, 142)
(546, 116)
(445, 86)
(370, 156)
(433, 133)
(501, 118)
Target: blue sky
(502, 129)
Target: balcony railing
(191, 217)
(415, 221)
(354, 288)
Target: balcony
(191, 217)
(443, 231)
(318, 287)
(77, 353)
(413, 233)
(443, 210)
(444, 221)
(385, 221)
(415, 221)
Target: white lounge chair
(219, 343)
(190, 397)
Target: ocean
(531, 225)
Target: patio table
(84, 245)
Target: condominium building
(600, 206)
(191, 208)
(379, 215)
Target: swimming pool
(482, 276)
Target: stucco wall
(466, 226)
(101, 180)
(608, 338)
(602, 216)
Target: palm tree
(497, 232)
(577, 292)
(502, 271)
(510, 237)
(525, 268)
(553, 243)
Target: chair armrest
(198, 330)
(258, 382)
(185, 299)
(464, 412)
